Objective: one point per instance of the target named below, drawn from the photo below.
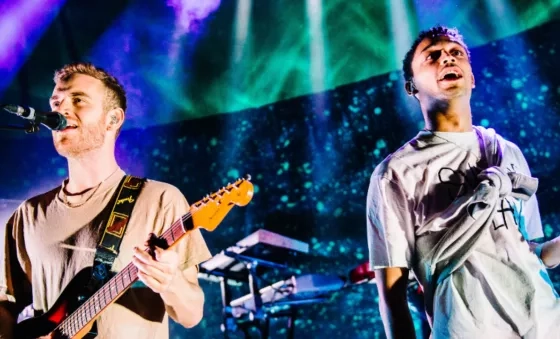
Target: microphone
(52, 120)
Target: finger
(143, 255)
(146, 259)
(152, 271)
(151, 282)
(167, 263)
(158, 284)
(166, 256)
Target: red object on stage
(361, 274)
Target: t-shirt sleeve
(15, 286)
(390, 229)
(192, 248)
(531, 223)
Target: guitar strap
(108, 247)
(126, 195)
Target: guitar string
(75, 318)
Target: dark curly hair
(432, 33)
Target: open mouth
(450, 75)
(70, 127)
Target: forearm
(7, 322)
(393, 303)
(550, 252)
(397, 320)
(184, 302)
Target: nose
(446, 57)
(64, 106)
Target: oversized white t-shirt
(502, 289)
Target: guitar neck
(88, 311)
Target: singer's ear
(114, 119)
(409, 88)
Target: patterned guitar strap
(108, 247)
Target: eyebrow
(434, 42)
(73, 94)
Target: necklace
(64, 194)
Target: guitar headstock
(208, 212)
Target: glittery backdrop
(311, 157)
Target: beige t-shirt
(48, 243)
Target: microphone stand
(28, 129)
(31, 127)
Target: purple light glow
(188, 19)
(189, 12)
(22, 23)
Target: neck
(89, 170)
(448, 116)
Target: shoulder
(512, 154)
(40, 200)
(387, 168)
(396, 173)
(491, 133)
(515, 160)
(162, 192)
(399, 163)
(30, 207)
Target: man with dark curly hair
(457, 206)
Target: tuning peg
(248, 177)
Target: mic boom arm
(51, 120)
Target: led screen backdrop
(310, 158)
(183, 59)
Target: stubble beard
(88, 139)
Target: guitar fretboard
(117, 285)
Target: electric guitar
(76, 309)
